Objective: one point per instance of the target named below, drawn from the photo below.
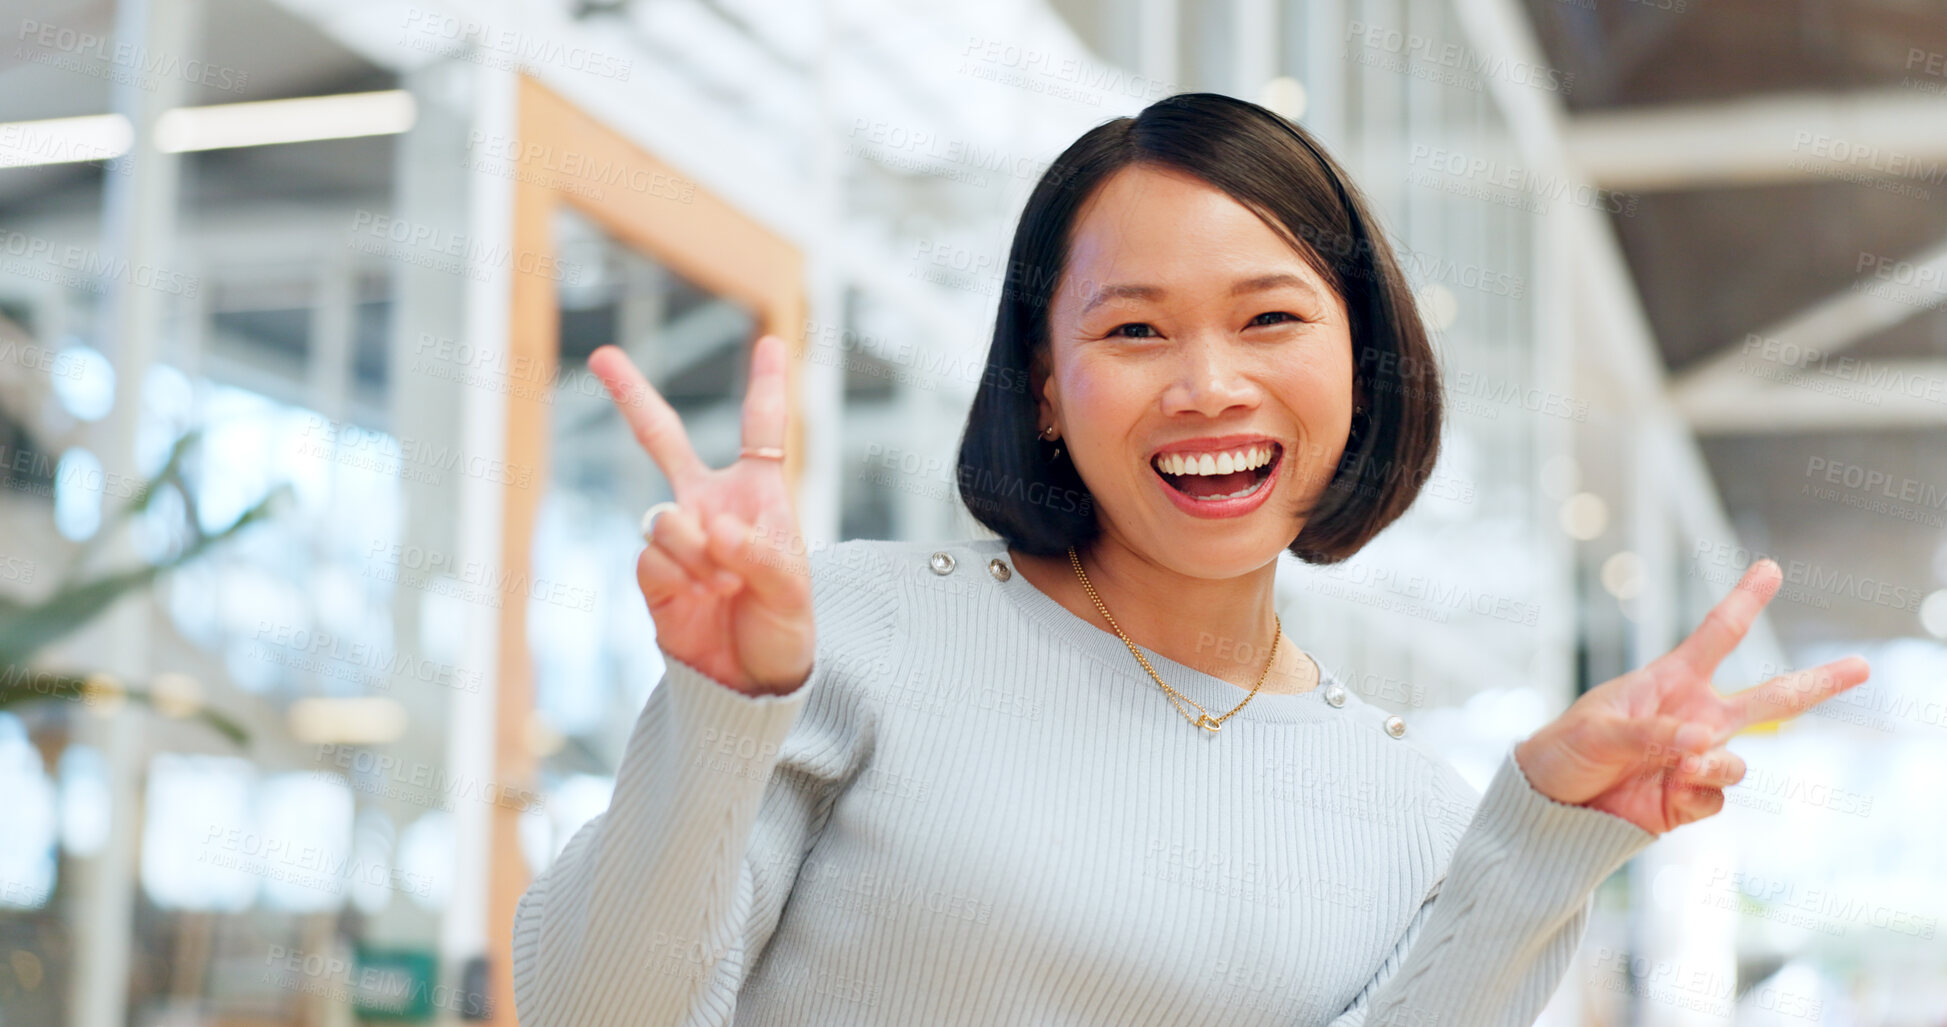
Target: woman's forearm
(632, 922)
(1509, 914)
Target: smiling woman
(1209, 230)
(900, 783)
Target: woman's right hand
(729, 591)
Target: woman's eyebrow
(1112, 292)
(1260, 283)
(1278, 280)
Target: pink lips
(1217, 509)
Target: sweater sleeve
(656, 910)
(1488, 948)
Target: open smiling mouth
(1208, 477)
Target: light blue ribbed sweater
(980, 810)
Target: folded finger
(1718, 768)
(679, 534)
(660, 578)
(1691, 804)
(1792, 694)
(776, 573)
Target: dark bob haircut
(1018, 486)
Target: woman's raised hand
(1648, 746)
(729, 594)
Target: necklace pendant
(1209, 723)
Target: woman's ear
(1047, 406)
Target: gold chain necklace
(1203, 719)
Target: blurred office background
(319, 632)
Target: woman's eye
(1134, 330)
(1272, 317)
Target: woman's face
(1187, 339)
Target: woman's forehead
(1146, 222)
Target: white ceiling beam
(1841, 395)
(1889, 293)
(1890, 136)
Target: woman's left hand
(1648, 746)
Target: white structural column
(1602, 282)
(821, 380)
(472, 729)
(1253, 46)
(1156, 43)
(1673, 485)
(138, 231)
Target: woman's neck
(1220, 626)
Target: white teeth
(1246, 459)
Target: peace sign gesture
(1647, 746)
(735, 608)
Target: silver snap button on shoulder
(998, 568)
(1395, 726)
(942, 562)
(1335, 694)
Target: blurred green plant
(83, 595)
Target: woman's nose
(1211, 379)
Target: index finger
(1726, 624)
(650, 417)
(1792, 694)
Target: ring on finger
(649, 519)
(763, 452)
